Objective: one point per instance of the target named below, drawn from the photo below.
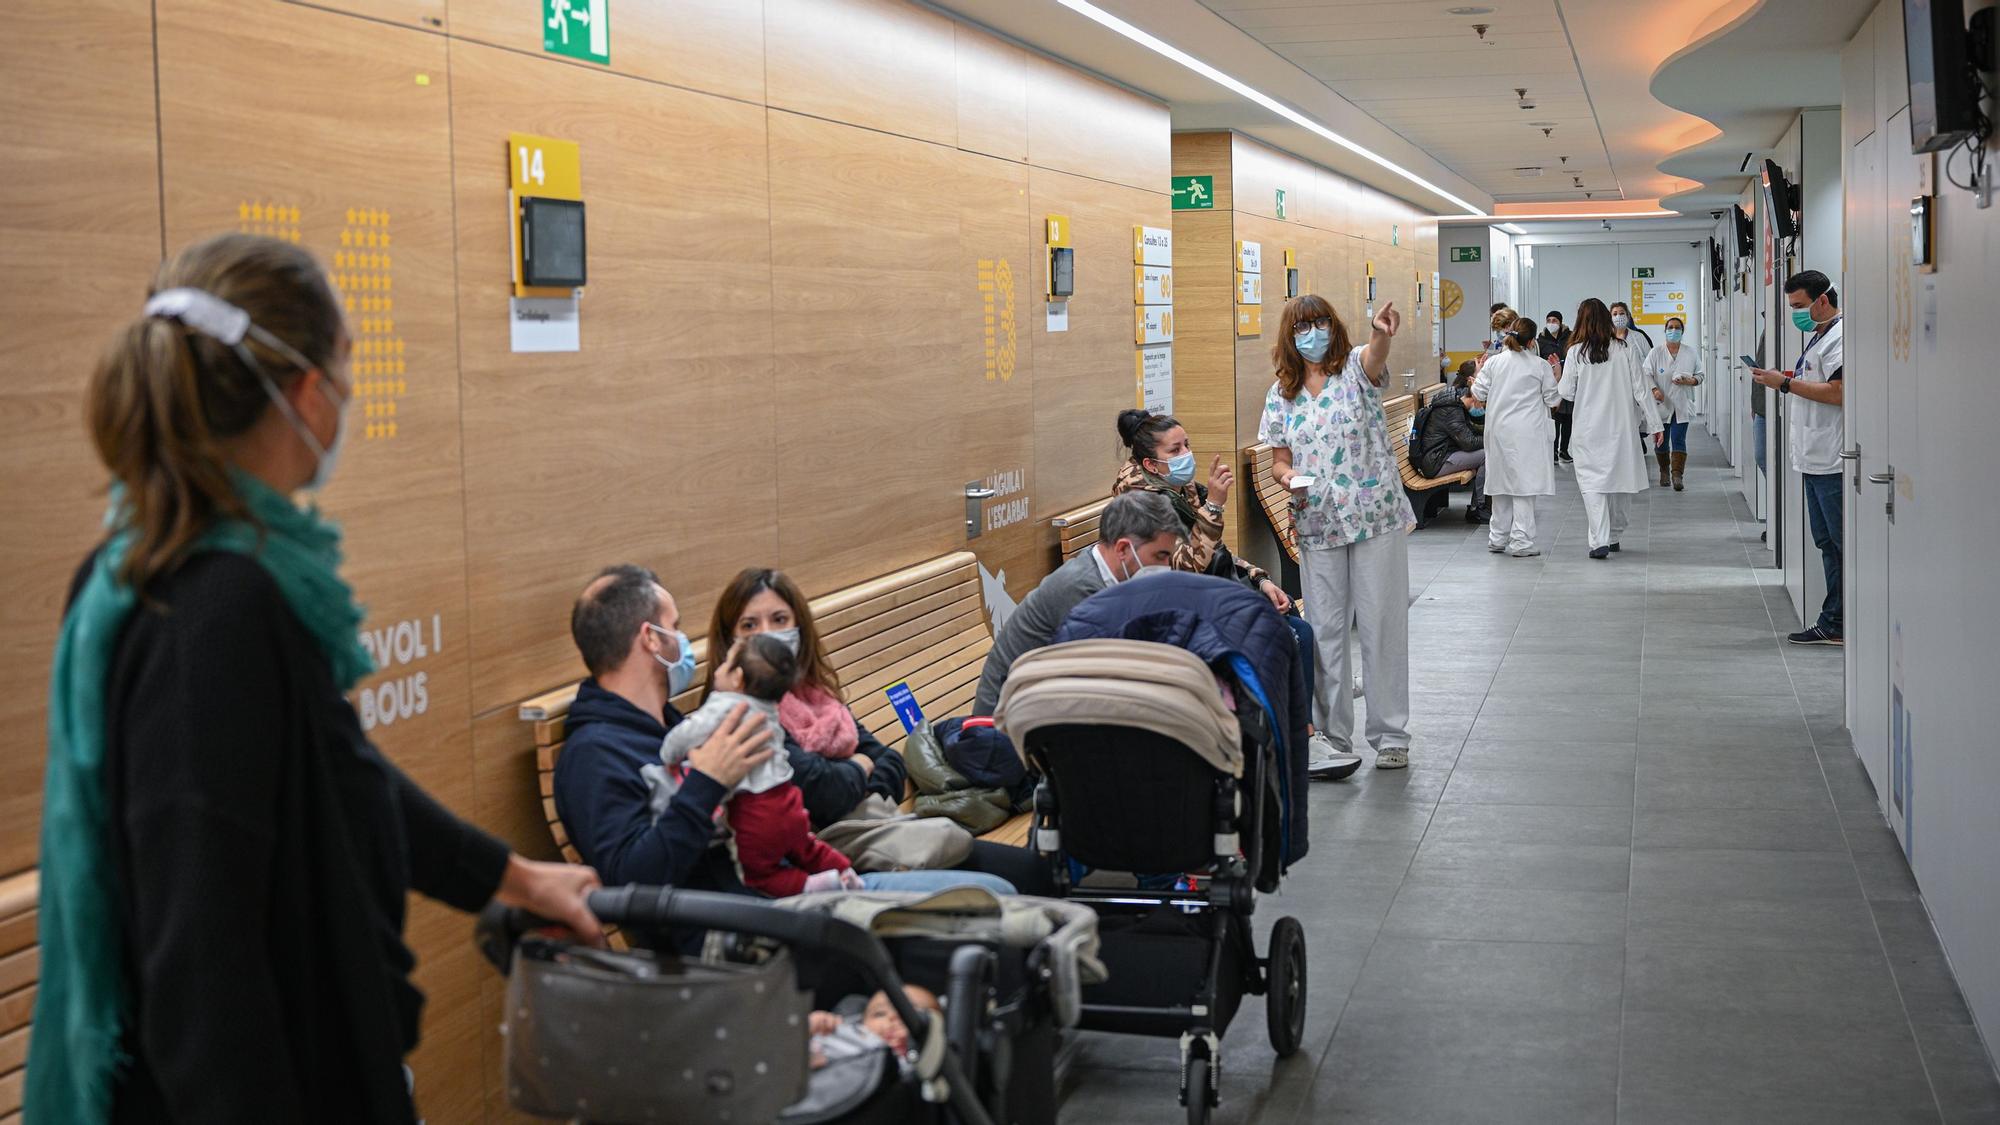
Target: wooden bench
(1077, 529)
(924, 626)
(20, 963)
(1399, 412)
(1273, 498)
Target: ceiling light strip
(1159, 46)
(1511, 219)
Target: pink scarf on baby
(819, 721)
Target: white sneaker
(1527, 552)
(1496, 548)
(1328, 763)
(1392, 758)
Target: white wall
(1566, 273)
(1468, 330)
(1942, 335)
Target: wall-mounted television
(1782, 199)
(1739, 223)
(1716, 273)
(1943, 109)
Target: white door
(1868, 299)
(1911, 303)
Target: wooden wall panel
(1205, 304)
(362, 151)
(1084, 377)
(651, 444)
(76, 108)
(879, 64)
(865, 278)
(992, 95)
(1080, 125)
(428, 15)
(715, 46)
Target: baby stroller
(1153, 763)
(621, 1037)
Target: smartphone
(1747, 361)
(1303, 480)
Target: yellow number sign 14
(541, 168)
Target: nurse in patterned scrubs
(1323, 420)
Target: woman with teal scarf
(225, 858)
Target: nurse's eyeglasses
(1324, 323)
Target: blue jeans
(1677, 437)
(1823, 512)
(928, 881)
(1757, 440)
(1308, 656)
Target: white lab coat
(1663, 367)
(1608, 395)
(1518, 389)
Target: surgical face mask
(1802, 319)
(1620, 320)
(680, 673)
(1673, 335)
(1121, 570)
(1312, 343)
(1477, 411)
(1555, 325)
(1180, 470)
(787, 637)
(330, 456)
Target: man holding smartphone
(1816, 432)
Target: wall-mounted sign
(1395, 235)
(1467, 253)
(1194, 193)
(1249, 289)
(1152, 324)
(1155, 378)
(1281, 203)
(1152, 285)
(577, 29)
(1153, 246)
(1249, 257)
(1249, 320)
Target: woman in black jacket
(1447, 443)
(1552, 345)
(225, 858)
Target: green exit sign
(1641, 271)
(1194, 193)
(577, 29)
(1466, 253)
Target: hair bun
(1129, 421)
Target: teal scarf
(75, 1047)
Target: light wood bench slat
(858, 643)
(940, 647)
(18, 932)
(838, 610)
(17, 970)
(1274, 498)
(13, 1049)
(10, 1090)
(17, 1008)
(1078, 527)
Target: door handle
(1882, 478)
(975, 491)
(1851, 454)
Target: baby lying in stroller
(837, 1037)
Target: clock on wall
(1451, 298)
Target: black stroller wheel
(1197, 1097)
(1285, 987)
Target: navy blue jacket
(1215, 619)
(602, 799)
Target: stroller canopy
(1142, 684)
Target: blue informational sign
(905, 702)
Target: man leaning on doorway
(1816, 432)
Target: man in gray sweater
(1138, 529)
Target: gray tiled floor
(1634, 874)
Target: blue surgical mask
(1802, 320)
(1673, 335)
(1477, 412)
(787, 637)
(1180, 470)
(680, 673)
(1312, 343)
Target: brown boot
(1680, 470)
(1661, 455)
